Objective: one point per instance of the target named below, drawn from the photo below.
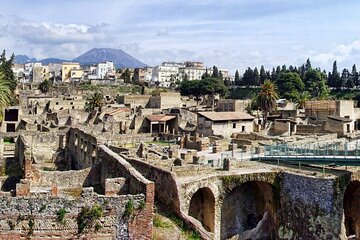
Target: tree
(215, 73)
(191, 88)
(307, 65)
(206, 74)
(263, 76)
(95, 102)
(315, 83)
(5, 68)
(45, 86)
(220, 76)
(345, 79)
(237, 78)
(256, 77)
(289, 85)
(213, 86)
(248, 77)
(301, 100)
(266, 99)
(334, 77)
(5, 94)
(355, 76)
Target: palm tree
(302, 99)
(5, 94)
(266, 99)
(96, 101)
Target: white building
(148, 74)
(165, 74)
(171, 72)
(191, 73)
(105, 70)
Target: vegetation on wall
(88, 216)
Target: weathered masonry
(262, 203)
(84, 190)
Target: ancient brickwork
(314, 201)
(38, 216)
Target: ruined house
(224, 123)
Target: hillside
(120, 58)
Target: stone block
(54, 190)
(198, 159)
(229, 164)
(192, 152)
(232, 146)
(173, 153)
(23, 188)
(115, 186)
(217, 149)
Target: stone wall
(81, 149)
(306, 129)
(280, 128)
(104, 165)
(311, 208)
(65, 179)
(165, 181)
(115, 166)
(37, 217)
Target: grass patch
(160, 223)
(188, 232)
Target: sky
(232, 34)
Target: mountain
(120, 58)
(46, 61)
(22, 59)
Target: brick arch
(202, 208)
(228, 183)
(249, 207)
(213, 186)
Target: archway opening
(248, 212)
(352, 210)
(202, 208)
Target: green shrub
(97, 227)
(61, 215)
(142, 204)
(88, 216)
(129, 208)
(31, 226)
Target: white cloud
(51, 33)
(344, 54)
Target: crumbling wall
(306, 129)
(38, 217)
(311, 207)
(165, 181)
(280, 128)
(72, 178)
(81, 149)
(114, 166)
